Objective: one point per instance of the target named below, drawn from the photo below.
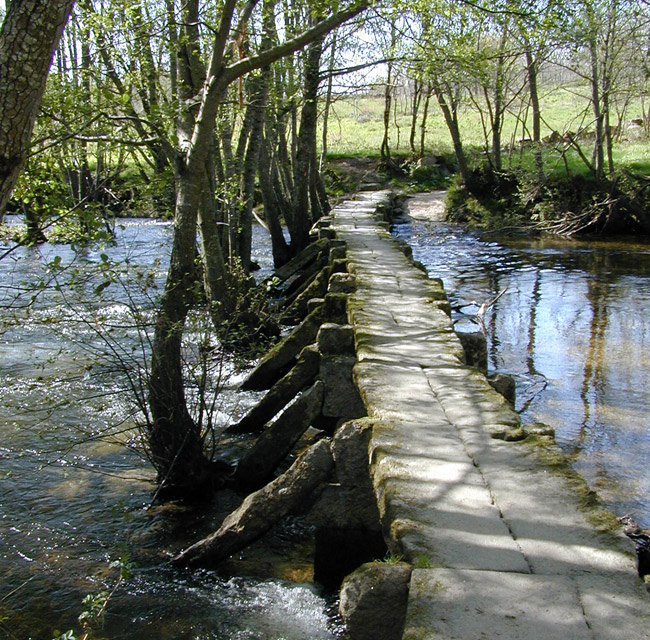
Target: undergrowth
(565, 205)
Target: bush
(563, 205)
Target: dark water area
(573, 328)
(75, 491)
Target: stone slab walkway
(504, 547)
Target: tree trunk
(415, 107)
(499, 101)
(595, 91)
(30, 33)
(175, 443)
(303, 214)
(531, 69)
(328, 102)
(423, 125)
(607, 129)
(451, 119)
(388, 94)
(175, 440)
(258, 99)
(272, 208)
(215, 273)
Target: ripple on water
(71, 503)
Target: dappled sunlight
(453, 495)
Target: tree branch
(264, 58)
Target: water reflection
(573, 327)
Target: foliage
(95, 605)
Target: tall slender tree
(175, 441)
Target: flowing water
(74, 499)
(573, 328)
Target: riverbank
(575, 204)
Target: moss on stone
(551, 456)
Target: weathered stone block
(316, 288)
(314, 303)
(341, 398)
(475, 348)
(374, 600)
(282, 392)
(405, 248)
(275, 442)
(335, 339)
(342, 283)
(282, 356)
(304, 258)
(262, 509)
(342, 508)
(505, 385)
(350, 451)
(336, 308)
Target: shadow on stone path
(503, 545)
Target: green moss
(553, 458)
(423, 561)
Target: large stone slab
(476, 605)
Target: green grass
(356, 128)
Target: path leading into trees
(501, 544)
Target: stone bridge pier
(497, 537)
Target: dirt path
(427, 206)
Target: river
(74, 499)
(573, 328)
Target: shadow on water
(573, 328)
(72, 502)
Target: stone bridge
(490, 533)
(502, 544)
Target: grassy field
(356, 128)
